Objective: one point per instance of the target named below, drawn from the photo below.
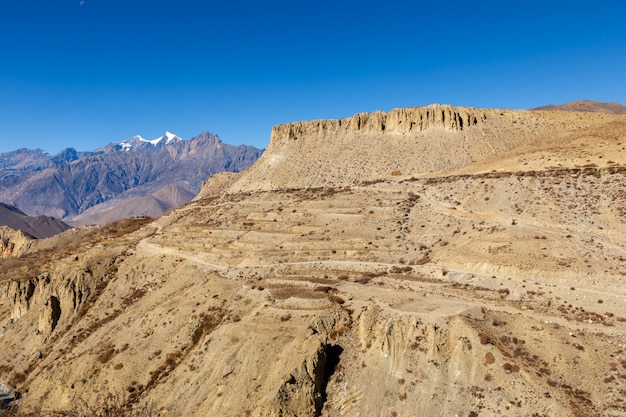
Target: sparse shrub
(510, 368)
(422, 261)
(337, 299)
(106, 354)
(110, 406)
(504, 292)
(208, 322)
(324, 288)
(364, 279)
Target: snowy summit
(166, 139)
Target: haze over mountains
(426, 261)
(133, 177)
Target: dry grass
(35, 263)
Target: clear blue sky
(86, 74)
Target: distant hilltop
(35, 226)
(588, 106)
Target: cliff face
(56, 295)
(397, 121)
(13, 242)
(402, 142)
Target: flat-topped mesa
(402, 121)
(403, 143)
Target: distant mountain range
(122, 179)
(586, 105)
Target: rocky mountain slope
(136, 203)
(69, 184)
(35, 226)
(488, 283)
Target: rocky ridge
(13, 243)
(421, 140)
(35, 226)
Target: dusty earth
(470, 264)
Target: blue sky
(83, 75)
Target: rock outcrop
(404, 142)
(13, 243)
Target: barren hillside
(587, 105)
(37, 226)
(430, 261)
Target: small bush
(337, 299)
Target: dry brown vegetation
(72, 243)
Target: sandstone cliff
(13, 243)
(414, 141)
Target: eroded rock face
(56, 296)
(412, 141)
(397, 121)
(13, 243)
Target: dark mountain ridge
(35, 226)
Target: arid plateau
(428, 261)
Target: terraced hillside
(493, 288)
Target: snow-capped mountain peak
(171, 137)
(138, 140)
